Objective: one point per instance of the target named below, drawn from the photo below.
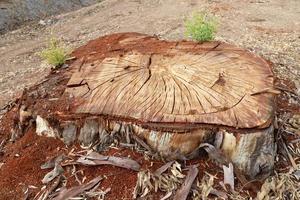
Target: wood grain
(188, 83)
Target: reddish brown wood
(142, 79)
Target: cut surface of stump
(180, 84)
(171, 97)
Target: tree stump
(177, 95)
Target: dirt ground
(268, 28)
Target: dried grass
(280, 186)
(167, 182)
(203, 188)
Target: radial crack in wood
(171, 97)
(195, 85)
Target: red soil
(18, 173)
(22, 161)
(23, 158)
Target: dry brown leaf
(94, 158)
(214, 153)
(53, 161)
(168, 195)
(166, 180)
(143, 185)
(58, 170)
(203, 188)
(163, 168)
(74, 191)
(219, 194)
(268, 186)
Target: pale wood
(189, 84)
(253, 153)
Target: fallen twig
(94, 158)
(142, 143)
(53, 187)
(290, 157)
(183, 192)
(53, 161)
(163, 168)
(58, 170)
(168, 195)
(219, 193)
(74, 191)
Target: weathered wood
(174, 145)
(253, 153)
(89, 133)
(208, 83)
(69, 133)
(173, 96)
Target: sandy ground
(268, 27)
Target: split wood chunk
(177, 95)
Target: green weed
(201, 27)
(55, 53)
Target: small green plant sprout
(201, 27)
(55, 53)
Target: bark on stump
(177, 95)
